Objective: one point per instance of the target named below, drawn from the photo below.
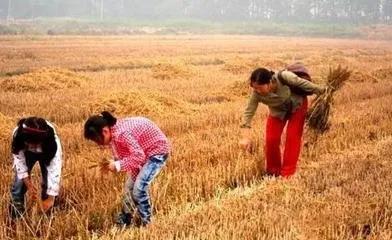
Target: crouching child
(139, 148)
(35, 140)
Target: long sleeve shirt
(282, 101)
(134, 141)
(53, 169)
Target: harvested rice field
(195, 88)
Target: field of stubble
(195, 88)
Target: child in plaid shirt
(139, 148)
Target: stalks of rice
(318, 113)
(99, 164)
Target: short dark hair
(94, 125)
(35, 130)
(261, 76)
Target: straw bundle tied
(318, 113)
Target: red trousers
(274, 129)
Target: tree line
(347, 11)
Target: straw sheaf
(318, 114)
(44, 79)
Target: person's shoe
(123, 219)
(144, 224)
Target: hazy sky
(352, 11)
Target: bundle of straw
(318, 113)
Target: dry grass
(170, 71)
(145, 103)
(209, 188)
(358, 76)
(5, 127)
(239, 66)
(44, 79)
(383, 73)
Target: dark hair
(261, 76)
(35, 130)
(94, 125)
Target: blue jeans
(136, 193)
(19, 189)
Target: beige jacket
(282, 101)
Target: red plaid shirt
(134, 141)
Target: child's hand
(33, 192)
(108, 167)
(30, 188)
(246, 144)
(47, 204)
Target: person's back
(147, 134)
(35, 140)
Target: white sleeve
(117, 164)
(54, 171)
(20, 165)
(20, 161)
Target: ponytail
(94, 125)
(110, 119)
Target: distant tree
(235, 9)
(387, 11)
(279, 10)
(169, 9)
(302, 9)
(356, 11)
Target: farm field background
(195, 88)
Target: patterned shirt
(134, 141)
